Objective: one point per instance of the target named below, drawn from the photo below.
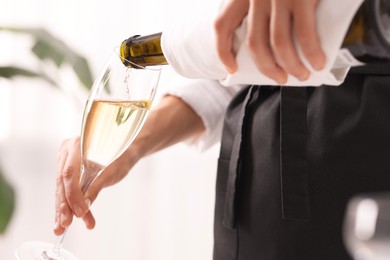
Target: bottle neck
(142, 51)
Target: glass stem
(57, 246)
(88, 175)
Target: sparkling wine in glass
(116, 109)
(367, 226)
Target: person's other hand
(271, 26)
(70, 200)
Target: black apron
(290, 160)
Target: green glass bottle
(142, 51)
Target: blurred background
(164, 208)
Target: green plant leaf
(7, 203)
(81, 68)
(48, 47)
(11, 72)
(44, 51)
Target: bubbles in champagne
(126, 82)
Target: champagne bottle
(369, 32)
(141, 51)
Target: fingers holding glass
(69, 198)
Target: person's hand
(271, 26)
(170, 122)
(70, 201)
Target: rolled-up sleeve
(209, 99)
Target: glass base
(36, 250)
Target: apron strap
(293, 153)
(229, 219)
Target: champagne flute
(115, 112)
(367, 226)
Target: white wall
(164, 208)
